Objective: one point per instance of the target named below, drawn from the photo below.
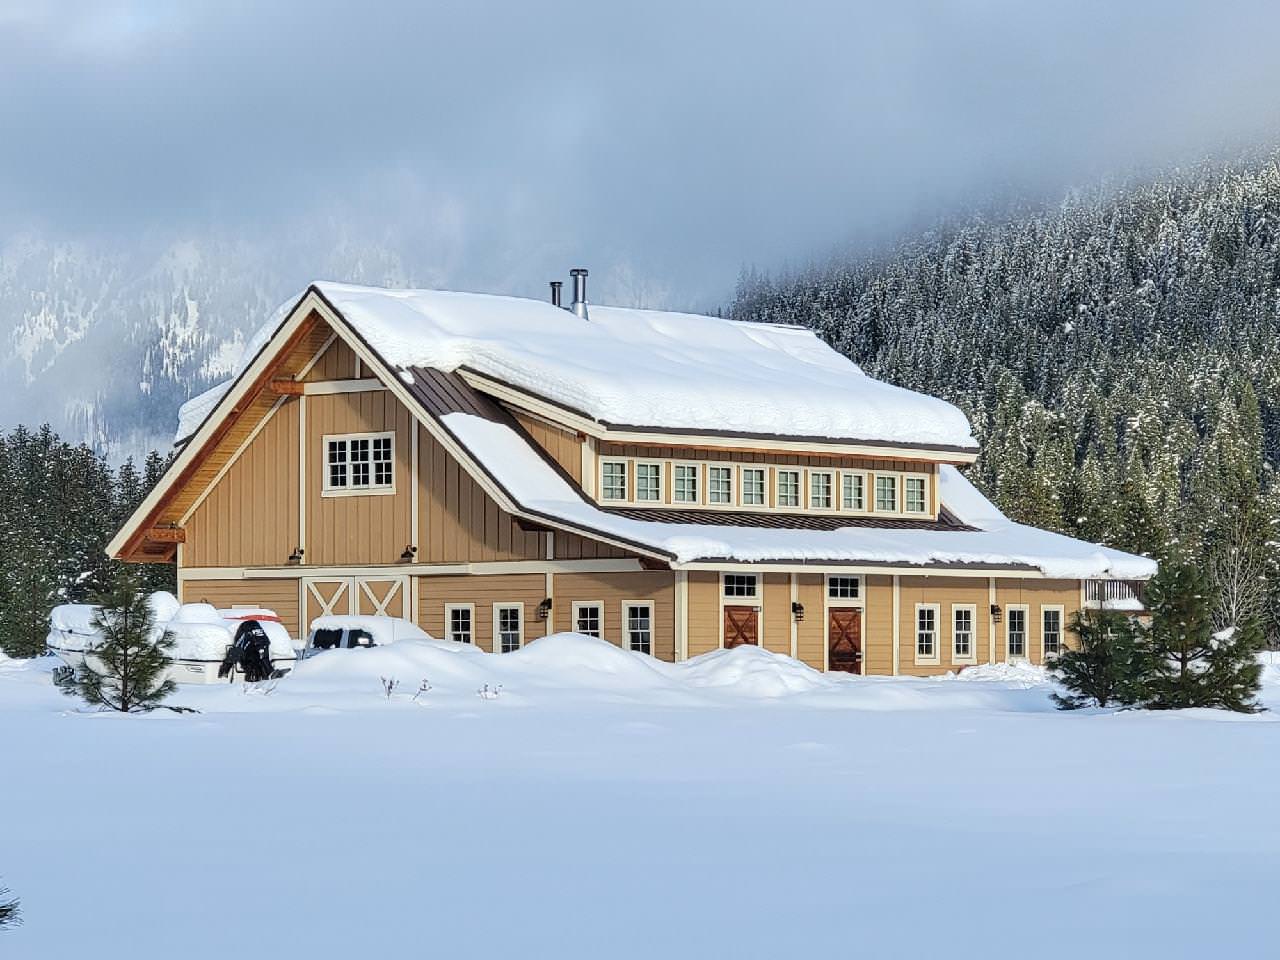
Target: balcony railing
(1115, 591)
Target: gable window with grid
(508, 632)
(649, 482)
(913, 490)
(639, 618)
(853, 491)
(887, 493)
(1051, 622)
(926, 632)
(613, 485)
(359, 462)
(788, 488)
(460, 623)
(739, 585)
(588, 619)
(962, 633)
(842, 588)
(720, 485)
(686, 486)
(753, 486)
(819, 491)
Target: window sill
(360, 492)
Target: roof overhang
(580, 422)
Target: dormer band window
(886, 493)
(649, 482)
(753, 486)
(720, 485)
(614, 480)
(788, 488)
(820, 490)
(686, 489)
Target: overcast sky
(663, 144)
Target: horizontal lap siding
(877, 626)
(944, 591)
(250, 517)
(1036, 594)
(705, 626)
(484, 592)
(612, 590)
(775, 625)
(278, 595)
(811, 632)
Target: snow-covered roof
(637, 368)
(997, 541)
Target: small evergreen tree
(129, 661)
(1108, 666)
(10, 910)
(1192, 665)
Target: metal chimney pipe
(579, 306)
(555, 292)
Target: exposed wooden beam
(167, 535)
(288, 388)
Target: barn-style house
(496, 469)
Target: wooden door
(741, 625)
(383, 597)
(844, 639)
(326, 596)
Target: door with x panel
(741, 625)
(367, 596)
(844, 639)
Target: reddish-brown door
(741, 625)
(844, 639)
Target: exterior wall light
(410, 551)
(797, 610)
(544, 609)
(995, 612)
(295, 558)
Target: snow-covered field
(605, 805)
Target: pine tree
(10, 910)
(1109, 664)
(124, 671)
(1192, 665)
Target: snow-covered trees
(1117, 357)
(125, 671)
(1108, 666)
(59, 505)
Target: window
(1051, 620)
(926, 631)
(788, 488)
(962, 632)
(887, 493)
(819, 491)
(588, 618)
(720, 485)
(614, 486)
(508, 627)
(739, 585)
(853, 491)
(359, 462)
(842, 588)
(753, 486)
(459, 622)
(913, 489)
(686, 483)
(639, 620)
(1016, 632)
(649, 481)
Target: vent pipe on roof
(555, 292)
(579, 306)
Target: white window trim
(834, 601)
(627, 487)
(662, 486)
(624, 640)
(728, 467)
(866, 491)
(1026, 631)
(874, 500)
(763, 468)
(833, 491)
(578, 605)
(739, 600)
(935, 659)
(924, 478)
(973, 633)
(495, 641)
(1061, 610)
(370, 491)
(701, 492)
(448, 619)
(801, 498)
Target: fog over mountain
(173, 171)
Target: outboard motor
(250, 651)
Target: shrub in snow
(1192, 665)
(489, 693)
(125, 669)
(389, 685)
(10, 910)
(1110, 664)
(422, 688)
